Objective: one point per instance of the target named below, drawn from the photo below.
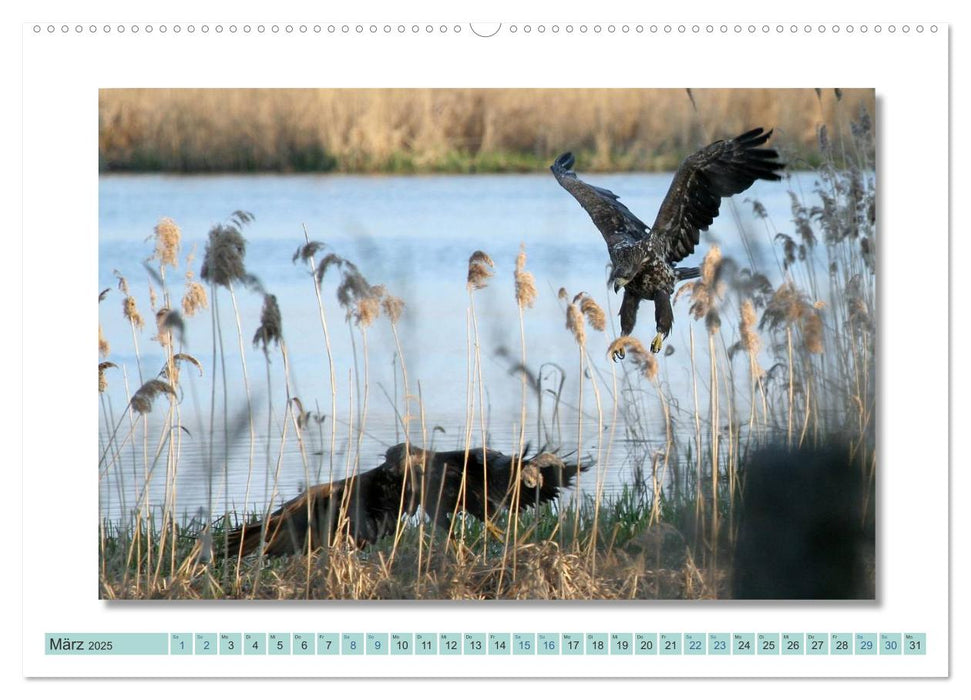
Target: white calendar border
(507, 60)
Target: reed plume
(360, 300)
(223, 260)
(480, 270)
(307, 251)
(171, 369)
(812, 333)
(168, 236)
(788, 308)
(750, 340)
(393, 307)
(594, 314)
(574, 323)
(271, 323)
(525, 282)
(706, 290)
(104, 347)
(194, 299)
(325, 262)
(858, 311)
(130, 311)
(102, 380)
(141, 401)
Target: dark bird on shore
(642, 257)
(368, 506)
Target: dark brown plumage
(642, 257)
(367, 507)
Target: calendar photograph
(487, 344)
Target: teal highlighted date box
(402, 644)
(128, 643)
(621, 644)
(548, 643)
(377, 644)
(841, 644)
(890, 644)
(645, 643)
(915, 644)
(304, 643)
(572, 644)
(743, 644)
(207, 644)
(719, 644)
(426, 643)
(230, 643)
(817, 644)
(670, 644)
(866, 643)
(767, 643)
(450, 644)
(524, 643)
(597, 644)
(180, 643)
(352, 644)
(500, 644)
(278, 643)
(328, 643)
(473, 644)
(793, 644)
(254, 643)
(694, 643)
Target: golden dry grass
(545, 571)
(447, 130)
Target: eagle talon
(656, 343)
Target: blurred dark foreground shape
(803, 532)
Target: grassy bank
(632, 560)
(789, 365)
(448, 131)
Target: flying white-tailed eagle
(642, 257)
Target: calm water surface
(413, 234)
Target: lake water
(413, 234)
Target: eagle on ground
(368, 506)
(642, 258)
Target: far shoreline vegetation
(426, 131)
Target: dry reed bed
(545, 572)
(790, 364)
(443, 130)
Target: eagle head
(620, 277)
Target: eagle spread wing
(719, 170)
(616, 222)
